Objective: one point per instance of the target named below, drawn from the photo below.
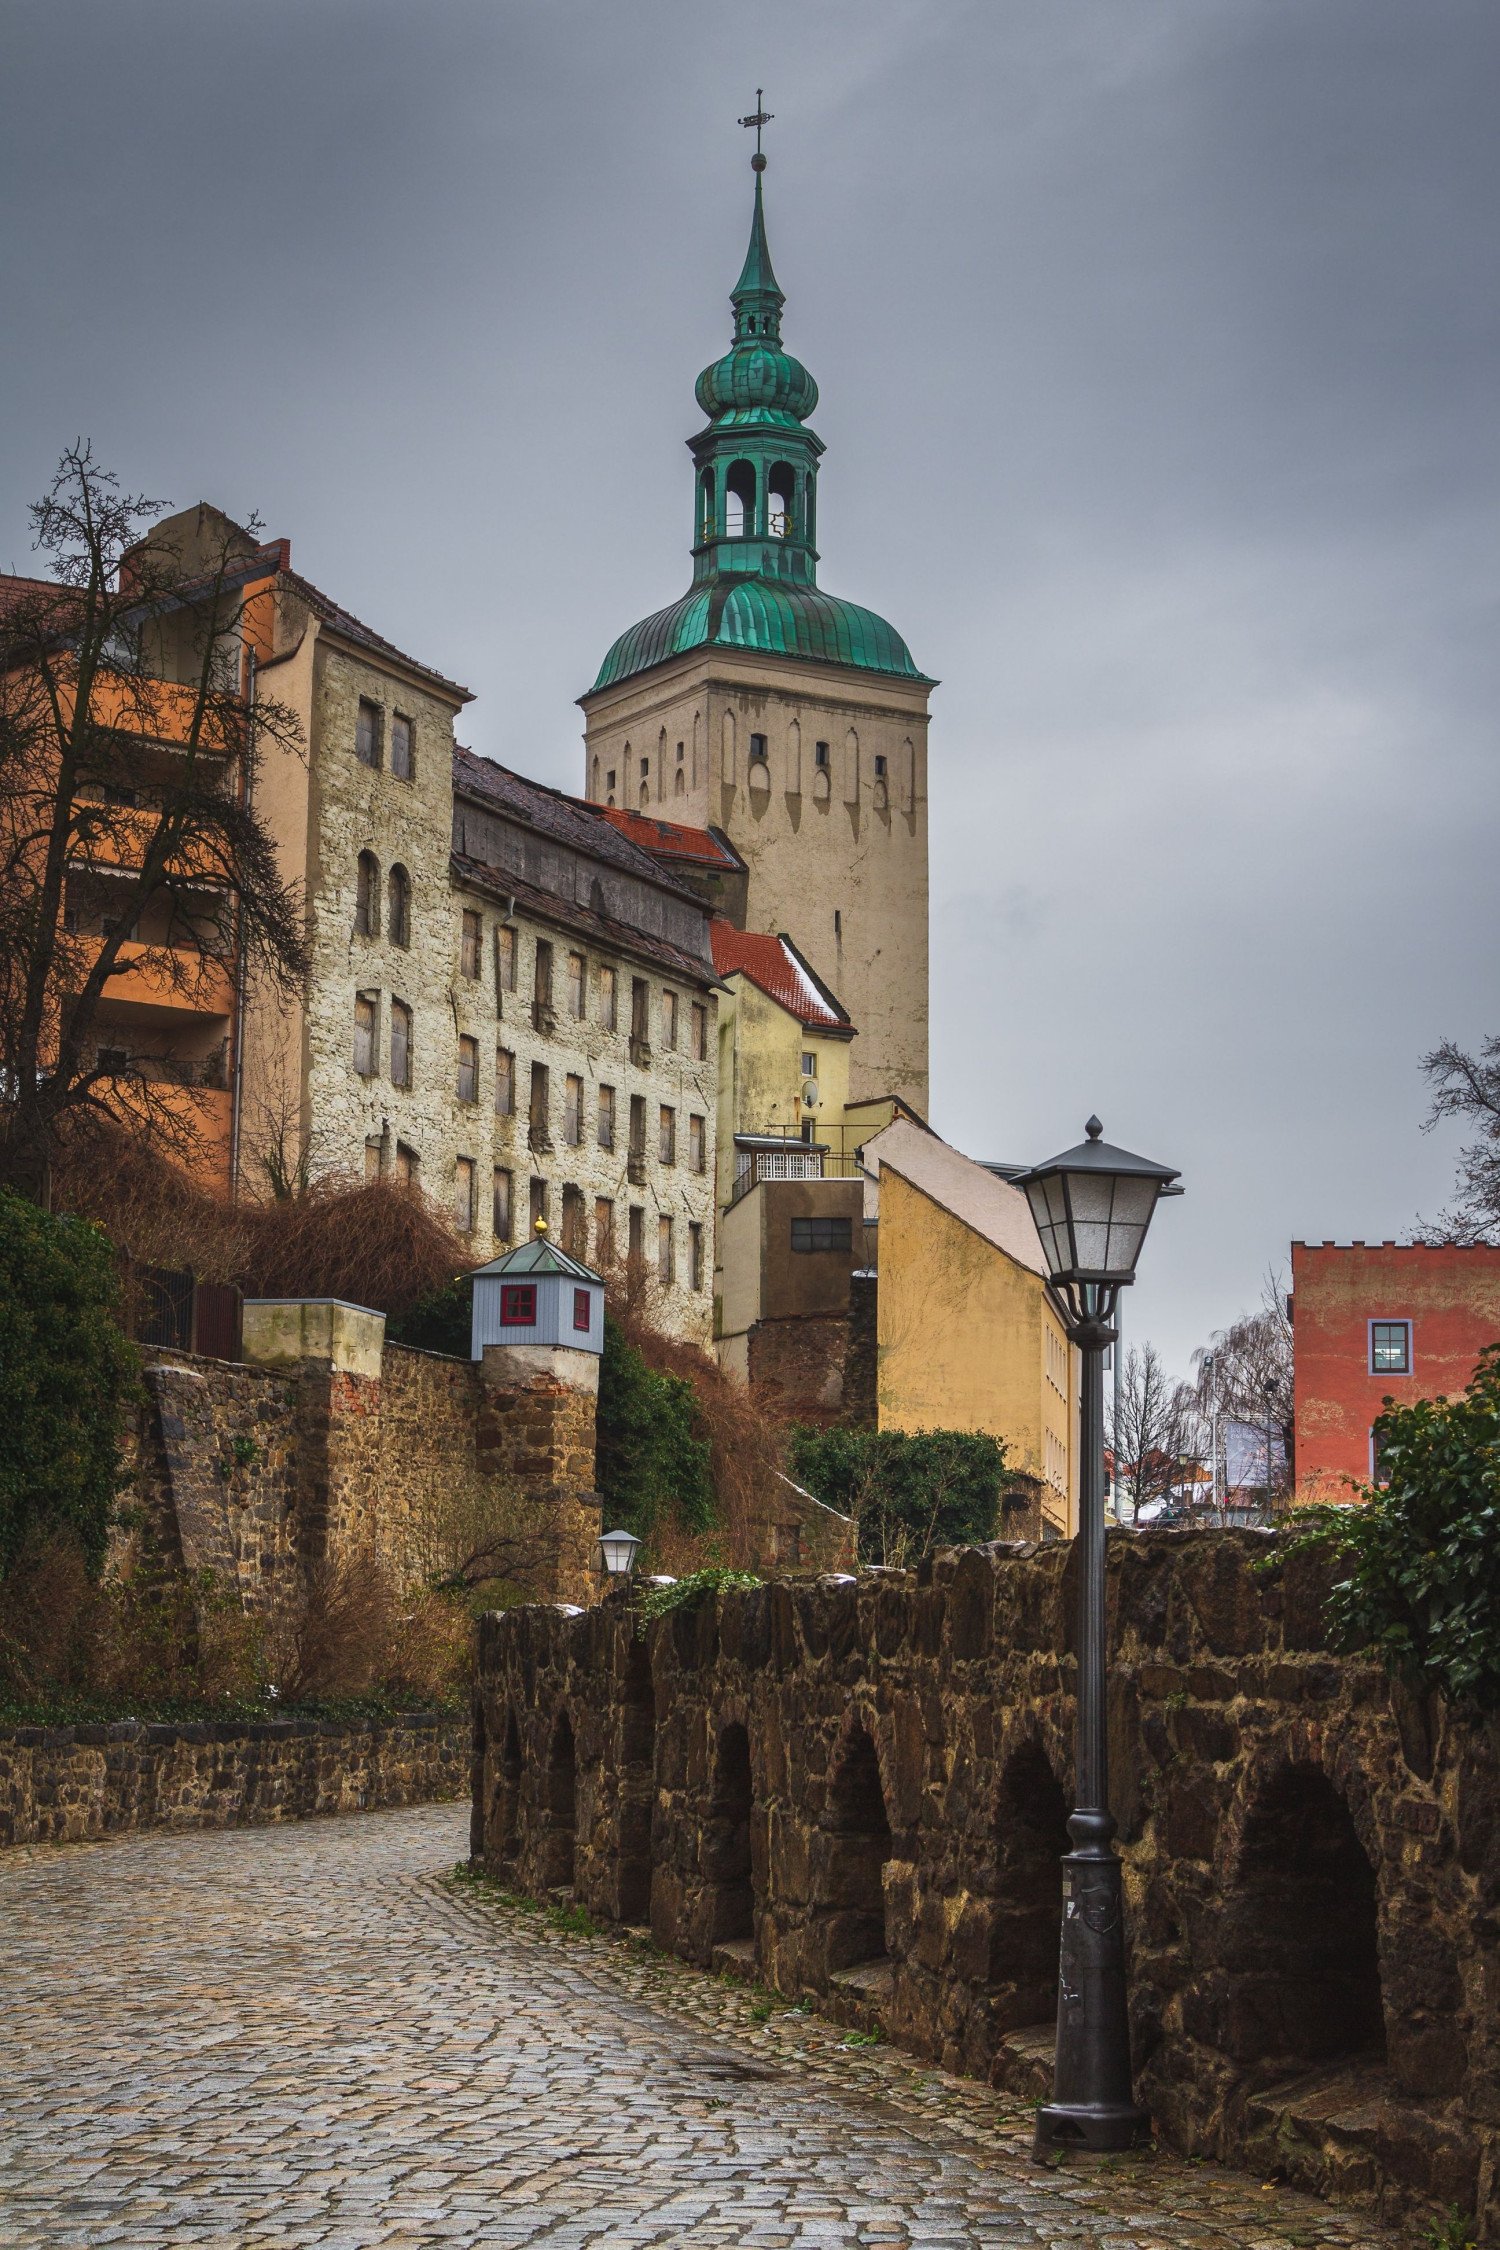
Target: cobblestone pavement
(307, 2035)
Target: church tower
(790, 719)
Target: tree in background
(129, 746)
(1244, 1373)
(654, 1458)
(65, 1376)
(909, 1492)
(1157, 1436)
(1468, 1086)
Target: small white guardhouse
(537, 1294)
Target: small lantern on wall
(617, 1553)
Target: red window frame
(518, 1304)
(583, 1309)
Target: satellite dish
(809, 1093)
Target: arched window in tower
(594, 791)
(781, 501)
(739, 501)
(399, 895)
(367, 896)
(706, 505)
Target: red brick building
(1378, 1320)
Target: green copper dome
(754, 558)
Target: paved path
(305, 2035)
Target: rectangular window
(468, 1070)
(505, 941)
(372, 1161)
(518, 1304)
(471, 945)
(638, 1126)
(574, 1223)
(367, 734)
(669, 1020)
(606, 1117)
(463, 1194)
(541, 985)
(637, 1234)
(541, 1102)
(698, 1143)
(401, 765)
(640, 1020)
(583, 1310)
(822, 1234)
(505, 1082)
(700, 1032)
(666, 1262)
(809, 1065)
(695, 1255)
(1390, 1347)
(757, 749)
(573, 1111)
(408, 1164)
(879, 766)
(576, 968)
(400, 1043)
(502, 1213)
(536, 1202)
(609, 999)
(365, 1039)
(604, 1230)
(666, 1143)
(820, 755)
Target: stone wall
(72, 1784)
(859, 1790)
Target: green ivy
(66, 1375)
(1421, 1556)
(909, 1491)
(698, 1586)
(654, 1462)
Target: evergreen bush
(1420, 1558)
(909, 1492)
(655, 1459)
(66, 1373)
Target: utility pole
(1211, 1370)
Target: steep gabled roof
(672, 839)
(567, 819)
(989, 1206)
(345, 623)
(779, 970)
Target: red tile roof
(704, 847)
(775, 965)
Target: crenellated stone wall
(858, 1790)
(74, 1784)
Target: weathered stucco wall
(861, 1787)
(72, 1784)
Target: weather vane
(761, 116)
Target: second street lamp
(1092, 1207)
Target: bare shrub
(379, 1243)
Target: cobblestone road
(304, 2035)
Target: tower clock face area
(792, 720)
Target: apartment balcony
(786, 1156)
(121, 839)
(159, 711)
(160, 976)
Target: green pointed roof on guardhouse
(755, 580)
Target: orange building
(1379, 1320)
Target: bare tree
(1244, 1373)
(1156, 1437)
(1468, 1086)
(130, 848)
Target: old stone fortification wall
(860, 1789)
(259, 1473)
(71, 1784)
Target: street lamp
(1092, 1207)
(617, 1553)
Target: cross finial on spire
(760, 117)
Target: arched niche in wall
(794, 758)
(727, 751)
(851, 767)
(908, 798)
(697, 747)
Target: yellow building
(784, 1043)
(968, 1334)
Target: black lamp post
(1092, 1208)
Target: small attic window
(518, 1304)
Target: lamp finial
(1093, 1128)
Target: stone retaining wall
(858, 1790)
(72, 1784)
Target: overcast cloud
(1157, 345)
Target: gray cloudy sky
(1157, 344)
